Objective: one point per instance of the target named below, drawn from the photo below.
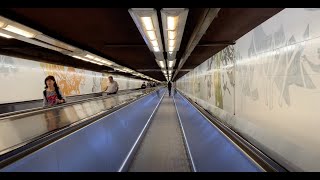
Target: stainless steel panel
(43, 160)
(100, 146)
(16, 131)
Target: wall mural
(24, 80)
(217, 81)
(68, 79)
(96, 78)
(283, 67)
(212, 81)
(267, 87)
(7, 66)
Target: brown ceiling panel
(15, 48)
(227, 27)
(232, 23)
(90, 25)
(194, 15)
(91, 29)
(180, 74)
(108, 32)
(201, 54)
(158, 74)
(111, 33)
(13, 43)
(132, 57)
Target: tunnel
(159, 90)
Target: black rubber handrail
(72, 96)
(39, 109)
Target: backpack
(57, 92)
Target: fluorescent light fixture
(172, 22)
(151, 35)
(89, 56)
(108, 63)
(5, 35)
(147, 22)
(154, 43)
(13, 29)
(19, 31)
(98, 59)
(78, 57)
(171, 43)
(170, 64)
(119, 70)
(172, 34)
(161, 64)
(127, 69)
(170, 71)
(1, 24)
(54, 42)
(156, 49)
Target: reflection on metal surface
(16, 131)
(71, 114)
(52, 120)
(79, 110)
(68, 79)
(100, 146)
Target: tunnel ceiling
(111, 33)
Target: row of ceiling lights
(10, 29)
(173, 23)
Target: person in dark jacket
(169, 88)
(143, 86)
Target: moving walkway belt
(162, 148)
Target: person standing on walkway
(169, 87)
(112, 87)
(52, 95)
(143, 86)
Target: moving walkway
(144, 130)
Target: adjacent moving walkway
(181, 138)
(29, 132)
(8, 109)
(141, 131)
(162, 148)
